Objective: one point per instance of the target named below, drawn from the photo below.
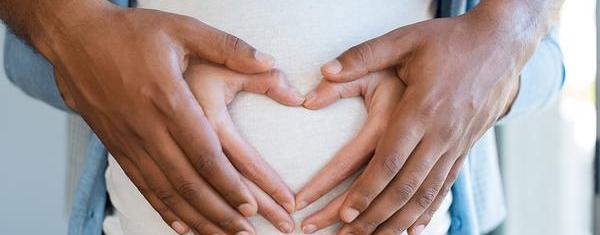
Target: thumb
(373, 55)
(219, 47)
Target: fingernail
(301, 205)
(285, 227)
(289, 207)
(247, 210)
(263, 58)
(179, 227)
(419, 229)
(349, 214)
(242, 233)
(333, 67)
(309, 228)
(308, 100)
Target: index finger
(194, 135)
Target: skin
(214, 87)
(461, 76)
(155, 124)
(381, 92)
(122, 71)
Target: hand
(121, 69)
(381, 91)
(461, 76)
(214, 87)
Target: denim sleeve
(541, 79)
(31, 72)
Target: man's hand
(214, 87)
(381, 91)
(461, 76)
(121, 69)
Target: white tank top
(301, 35)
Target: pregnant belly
(301, 35)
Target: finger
(171, 169)
(390, 155)
(425, 218)
(373, 55)
(402, 188)
(381, 91)
(327, 93)
(274, 85)
(161, 189)
(195, 137)
(270, 210)
(165, 212)
(422, 200)
(346, 162)
(246, 158)
(406, 216)
(240, 153)
(222, 48)
(324, 217)
(195, 189)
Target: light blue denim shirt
(478, 203)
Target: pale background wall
(32, 163)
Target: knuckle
(204, 163)
(232, 44)
(360, 198)
(448, 132)
(364, 51)
(251, 170)
(391, 165)
(426, 198)
(341, 171)
(268, 213)
(428, 215)
(445, 189)
(189, 190)
(232, 223)
(165, 196)
(403, 192)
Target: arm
(462, 76)
(121, 69)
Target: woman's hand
(214, 87)
(381, 91)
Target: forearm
(38, 21)
(515, 28)
(529, 20)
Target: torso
(297, 142)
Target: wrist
(56, 22)
(526, 20)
